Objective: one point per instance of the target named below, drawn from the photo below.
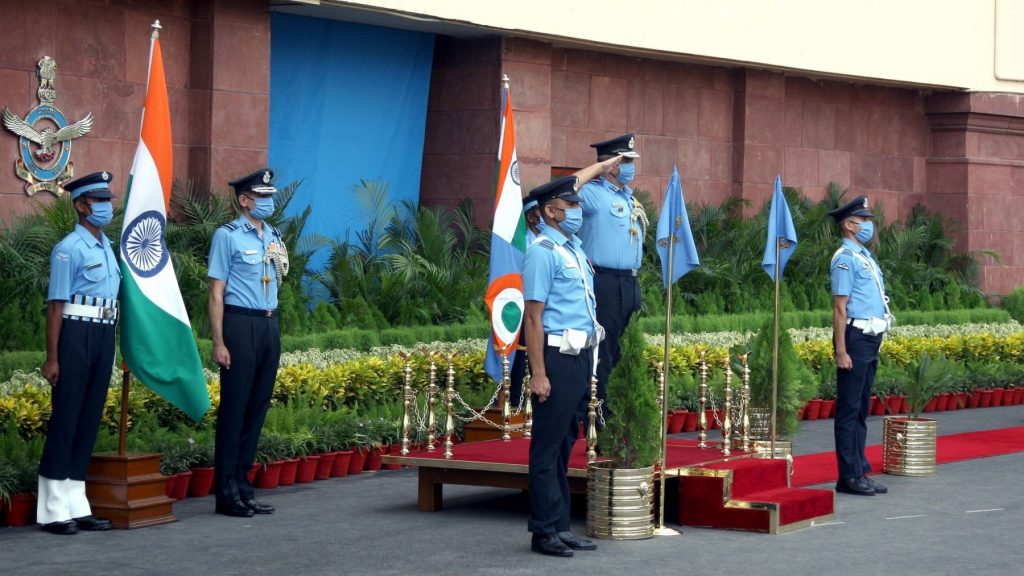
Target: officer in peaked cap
(81, 313)
(517, 371)
(860, 318)
(248, 261)
(562, 332)
(614, 226)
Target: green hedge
(356, 339)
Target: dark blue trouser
(555, 427)
(245, 391)
(853, 401)
(86, 358)
(618, 298)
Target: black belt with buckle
(250, 311)
(629, 272)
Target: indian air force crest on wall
(45, 137)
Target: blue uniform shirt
(236, 257)
(557, 273)
(610, 236)
(853, 276)
(81, 264)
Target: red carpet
(820, 468)
(681, 453)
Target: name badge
(251, 252)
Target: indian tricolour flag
(508, 248)
(156, 336)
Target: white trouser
(61, 500)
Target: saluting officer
(860, 317)
(561, 333)
(248, 260)
(614, 226)
(80, 316)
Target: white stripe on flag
(146, 194)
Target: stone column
(975, 174)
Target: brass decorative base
(908, 446)
(620, 502)
(129, 490)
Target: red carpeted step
(753, 475)
(748, 494)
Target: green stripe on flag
(161, 351)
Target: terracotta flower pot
(1008, 395)
(813, 409)
(373, 463)
(692, 418)
(21, 510)
(975, 400)
(269, 476)
(325, 465)
(986, 399)
(341, 463)
(802, 412)
(930, 405)
(676, 420)
(251, 474)
(307, 469)
(201, 482)
(877, 406)
(181, 482)
(904, 406)
(357, 461)
(828, 409)
(397, 449)
(289, 469)
(962, 399)
(893, 404)
(997, 396)
(1019, 396)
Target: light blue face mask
(627, 171)
(866, 232)
(263, 209)
(573, 220)
(102, 214)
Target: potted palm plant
(620, 490)
(908, 442)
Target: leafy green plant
(632, 436)
(8, 480)
(796, 384)
(927, 376)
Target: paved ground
(965, 519)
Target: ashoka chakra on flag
(142, 244)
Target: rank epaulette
(230, 225)
(546, 243)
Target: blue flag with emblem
(674, 227)
(781, 232)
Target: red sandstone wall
(216, 57)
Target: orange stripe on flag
(156, 122)
(508, 145)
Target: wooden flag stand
(128, 488)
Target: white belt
(85, 311)
(556, 341)
(861, 324)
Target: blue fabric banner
(348, 102)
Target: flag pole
(775, 346)
(661, 530)
(122, 428)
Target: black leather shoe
(65, 528)
(550, 545)
(258, 508)
(93, 523)
(855, 486)
(878, 488)
(575, 542)
(236, 509)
